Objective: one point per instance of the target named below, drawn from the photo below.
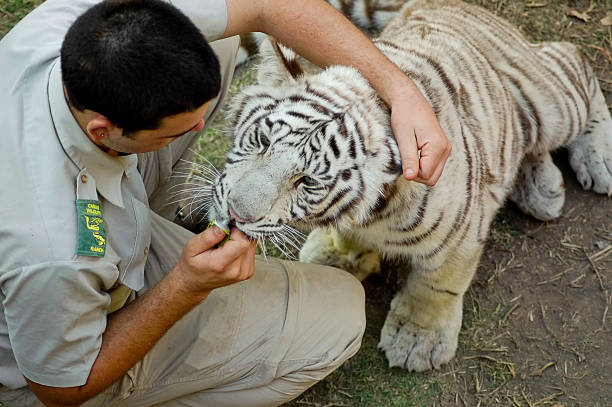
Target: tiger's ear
(278, 64)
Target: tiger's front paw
(415, 348)
(539, 189)
(591, 158)
(330, 248)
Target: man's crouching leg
(323, 327)
(261, 342)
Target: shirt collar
(107, 171)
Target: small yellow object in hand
(223, 228)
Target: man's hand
(203, 267)
(423, 146)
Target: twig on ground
(604, 51)
(554, 278)
(574, 283)
(602, 254)
(536, 4)
(595, 269)
(605, 313)
(507, 314)
(552, 397)
(540, 371)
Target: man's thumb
(410, 158)
(205, 240)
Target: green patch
(91, 231)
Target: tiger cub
(317, 151)
(369, 15)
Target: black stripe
(419, 216)
(418, 238)
(461, 216)
(334, 146)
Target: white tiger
(369, 15)
(317, 150)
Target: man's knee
(349, 315)
(334, 312)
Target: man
(104, 301)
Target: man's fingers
(433, 178)
(236, 246)
(243, 266)
(204, 241)
(432, 160)
(407, 144)
(248, 261)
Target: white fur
(502, 119)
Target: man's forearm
(130, 333)
(317, 31)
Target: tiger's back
(497, 104)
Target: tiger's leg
(422, 327)
(539, 189)
(590, 154)
(331, 248)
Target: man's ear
(99, 127)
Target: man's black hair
(136, 62)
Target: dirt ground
(538, 310)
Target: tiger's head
(310, 150)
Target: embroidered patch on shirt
(91, 231)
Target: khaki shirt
(59, 263)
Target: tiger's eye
(306, 180)
(263, 139)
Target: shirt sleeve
(210, 16)
(56, 315)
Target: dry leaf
(536, 4)
(579, 15)
(607, 20)
(584, 17)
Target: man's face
(172, 127)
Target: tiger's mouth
(254, 231)
(235, 217)
(286, 239)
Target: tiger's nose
(244, 210)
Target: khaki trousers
(261, 342)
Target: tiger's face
(299, 156)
